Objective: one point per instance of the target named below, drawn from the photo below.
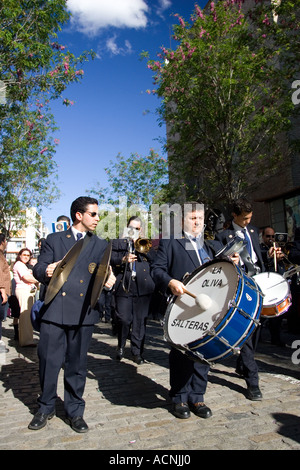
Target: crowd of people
(140, 282)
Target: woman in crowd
(25, 292)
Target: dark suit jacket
(144, 282)
(294, 254)
(173, 260)
(227, 235)
(71, 306)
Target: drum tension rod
(256, 289)
(234, 349)
(245, 314)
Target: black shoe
(181, 410)
(40, 420)
(138, 359)
(120, 354)
(253, 393)
(201, 410)
(78, 424)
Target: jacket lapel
(68, 239)
(191, 252)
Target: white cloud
(90, 16)
(113, 48)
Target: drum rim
(230, 313)
(274, 304)
(242, 279)
(191, 276)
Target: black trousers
(63, 345)
(131, 313)
(246, 362)
(188, 378)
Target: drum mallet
(202, 300)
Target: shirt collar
(75, 231)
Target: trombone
(141, 245)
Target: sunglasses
(270, 236)
(92, 214)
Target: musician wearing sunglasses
(130, 258)
(68, 320)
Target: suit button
(81, 281)
(63, 294)
(81, 294)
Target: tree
(226, 98)
(34, 69)
(134, 184)
(138, 178)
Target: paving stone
(128, 407)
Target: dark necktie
(79, 235)
(202, 253)
(247, 240)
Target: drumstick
(189, 293)
(275, 260)
(202, 300)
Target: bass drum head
(185, 321)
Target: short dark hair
(265, 228)
(2, 238)
(192, 206)
(242, 205)
(64, 218)
(134, 217)
(80, 204)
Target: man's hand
(110, 280)
(129, 258)
(235, 258)
(50, 268)
(277, 250)
(176, 287)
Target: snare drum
(276, 291)
(222, 329)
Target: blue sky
(112, 112)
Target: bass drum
(231, 317)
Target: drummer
(252, 262)
(267, 248)
(175, 258)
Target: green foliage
(135, 183)
(226, 96)
(34, 69)
(139, 179)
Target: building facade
(25, 230)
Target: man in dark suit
(175, 258)
(133, 290)
(252, 261)
(68, 320)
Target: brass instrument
(141, 245)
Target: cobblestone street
(128, 409)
